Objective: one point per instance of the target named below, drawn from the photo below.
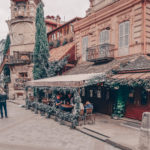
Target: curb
(117, 145)
(11, 101)
(108, 141)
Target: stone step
(104, 138)
(93, 133)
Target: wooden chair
(81, 117)
(89, 116)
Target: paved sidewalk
(24, 130)
(125, 132)
(119, 131)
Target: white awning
(77, 80)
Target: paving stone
(25, 130)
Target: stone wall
(16, 87)
(22, 35)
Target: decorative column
(145, 132)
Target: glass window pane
(121, 42)
(104, 36)
(127, 28)
(107, 36)
(121, 30)
(126, 40)
(100, 37)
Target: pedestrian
(3, 105)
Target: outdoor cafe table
(66, 107)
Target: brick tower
(22, 36)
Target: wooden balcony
(100, 53)
(19, 58)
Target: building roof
(58, 53)
(70, 21)
(89, 67)
(63, 81)
(140, 63)
(51, 22)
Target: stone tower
(22, 36)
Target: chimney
(58, 19)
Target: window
(98, 94)
(54, 36)
(23, 74)
(83, 91)
(84, 47)
(124, 34)
(104, 37)
(91, 93)
(58, 34)
(71, 28)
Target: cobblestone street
(25, 130)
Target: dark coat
(3, 98)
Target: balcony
(20, 83)
(19, 58)
(100, 53)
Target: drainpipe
(144, 26)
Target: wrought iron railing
(19, 58)
(100, 52)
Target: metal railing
(100, 52)
(19, 58)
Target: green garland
(113, 82)
(119, 106)
(7, 78)
(7, 45)
(6, 68)
(123, 86)
(52, 110)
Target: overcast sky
(67, 9)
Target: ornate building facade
(22, 35)
(115, 36)
(124, 25)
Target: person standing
(3, 105)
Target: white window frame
(104, 36)
(124, 32)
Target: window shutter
(84, 46)
(127, 28)
(101, 36)
(107, 36)
(126, 33)
(104, 36)
(121, 35)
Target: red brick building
(61, 40)
(52, 22)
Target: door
(104, 102)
